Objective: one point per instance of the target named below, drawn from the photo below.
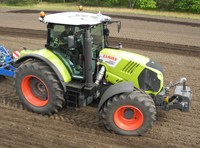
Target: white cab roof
(75, 18)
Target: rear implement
(6, 63)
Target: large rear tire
(38, 88)
(129, 113)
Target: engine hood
(113, 56)
(126, 66)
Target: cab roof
(75, 18)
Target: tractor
(78, 67)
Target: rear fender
(118, 88)
(50, 59)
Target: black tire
(129, 113)
(38, 88)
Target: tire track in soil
(84, 138)
(172, 129)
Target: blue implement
(6, 62)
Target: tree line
(170, 5)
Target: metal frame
(6, 61)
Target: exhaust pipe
(100, 75)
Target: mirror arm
(118, 24)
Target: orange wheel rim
(128, 117)
(35, 91)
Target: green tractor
(77, 66)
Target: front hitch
(181, 99)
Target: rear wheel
(38, 88)
(129, 113)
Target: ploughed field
(83, 127)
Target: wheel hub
(38, 89)
(128, 113)
(128, 117)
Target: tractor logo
(110, 57)
(109, 60)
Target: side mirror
(118, 24)
(70, 41)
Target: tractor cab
(66, 38)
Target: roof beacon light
(42, 14)
(80, 8)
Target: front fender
(49, 58)
(118, 88)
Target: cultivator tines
(6, 63)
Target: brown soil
(83, 128)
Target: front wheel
(38, 88)
(129, 113)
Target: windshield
(67, 46)
(68, 42)
(59, 34)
